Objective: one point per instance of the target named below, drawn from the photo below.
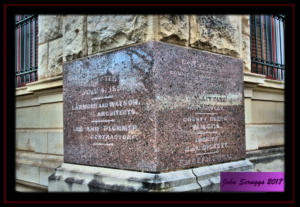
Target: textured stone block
(277, 96)
(267, 112)
(154, 107)
(260, 136)
(43, 61)
(251, 138)
(50, 27)
(55, 57)
(246, 24)
(28, 173)
(216, 33)
(51, 115)
(26, 101)
(74, 39)
(245, 52)
(111, 31)
(174, 29)
(25, 140)
(50, 97)
(38, 159)
(248, 110)
(28, 117)
(40, 142)
(55, 143)
(266, 135)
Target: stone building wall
(63, 38)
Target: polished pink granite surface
(153, 107)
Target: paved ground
(273, 166)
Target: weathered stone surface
(38, 159)
(22, 120)
(40, 142)
(28, 173)
(216, 33)
(26, 101)
(78, 178)
(277, 96)
(267, 112)
(51, 115)
(111, 31)
(35, 167)
(266, 135)
(248, 110)
(246, 24)
(74, 39)
(49, 27)
(44, 174)
(55, 143)
(22, 187)
(43, 61)
(56, 96)
(174, 29)
(245, 52)
(25, 140)
(251, 138)
(154, 107)
(55, 58)
(277, 165)
(268, 159)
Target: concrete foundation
(79, 178)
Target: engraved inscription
(153, 107)
(107, 109)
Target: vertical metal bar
(36, 47)
(255, 43)
(33, 46)
(266, 36)
(21, 50)
(282, 47)
(29, 49)
(25, 56)
(281, 62)
(275, 34)
(16, 55)
(271, 45)
(251, 53)
(261, 44)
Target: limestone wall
(39, 132)
(63, 38)
(264, 110)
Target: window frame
(26, 49)
(267, 45)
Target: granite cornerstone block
(153, 107)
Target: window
(26, 57)
(267, 45)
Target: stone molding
(41, 85)
(79, 178)
(253, 80)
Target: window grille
(26, 49)
(267, 45)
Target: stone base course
(79, 178)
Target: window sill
(30, 88)
(256, 80)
